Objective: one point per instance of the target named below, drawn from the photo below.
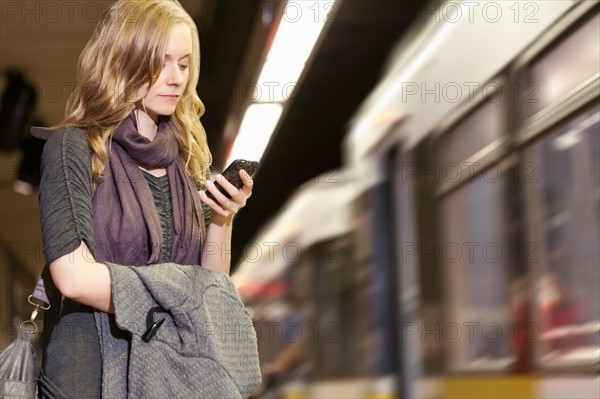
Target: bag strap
(39, 292)
(47, 297)
(38, 299)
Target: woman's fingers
(220, 199)
(248, 183)
(227, 186)
(214, 205)
(223, 205)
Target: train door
(388, 226)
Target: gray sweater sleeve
(66, 194)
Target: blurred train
(455, 254)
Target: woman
(120, 182)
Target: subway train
(455, 254)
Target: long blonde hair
(125, 52)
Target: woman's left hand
(224, 208)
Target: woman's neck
(147, 127)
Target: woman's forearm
(216, 251)
(79, 277)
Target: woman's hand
(224, 208)
(216, 250)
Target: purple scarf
(127, 227)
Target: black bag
(19, 366)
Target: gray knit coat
(206, 347)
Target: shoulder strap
(39, 292)
(42, 133)
(47, 298)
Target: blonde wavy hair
(126, 52)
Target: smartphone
(232, 174)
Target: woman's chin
(165, 111)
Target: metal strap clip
(37, 308)
(34, 313)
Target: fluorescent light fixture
(277, 82)
(298, 31)
(300, 26)
(255, 131)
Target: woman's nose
(175, 75)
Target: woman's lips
(170, 97)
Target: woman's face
(164, 95)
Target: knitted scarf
(127, 227)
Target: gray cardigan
(206, 347)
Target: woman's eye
(181, 66)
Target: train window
(564, 216)
(480, 128)
(477, 253)
(563, 68)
